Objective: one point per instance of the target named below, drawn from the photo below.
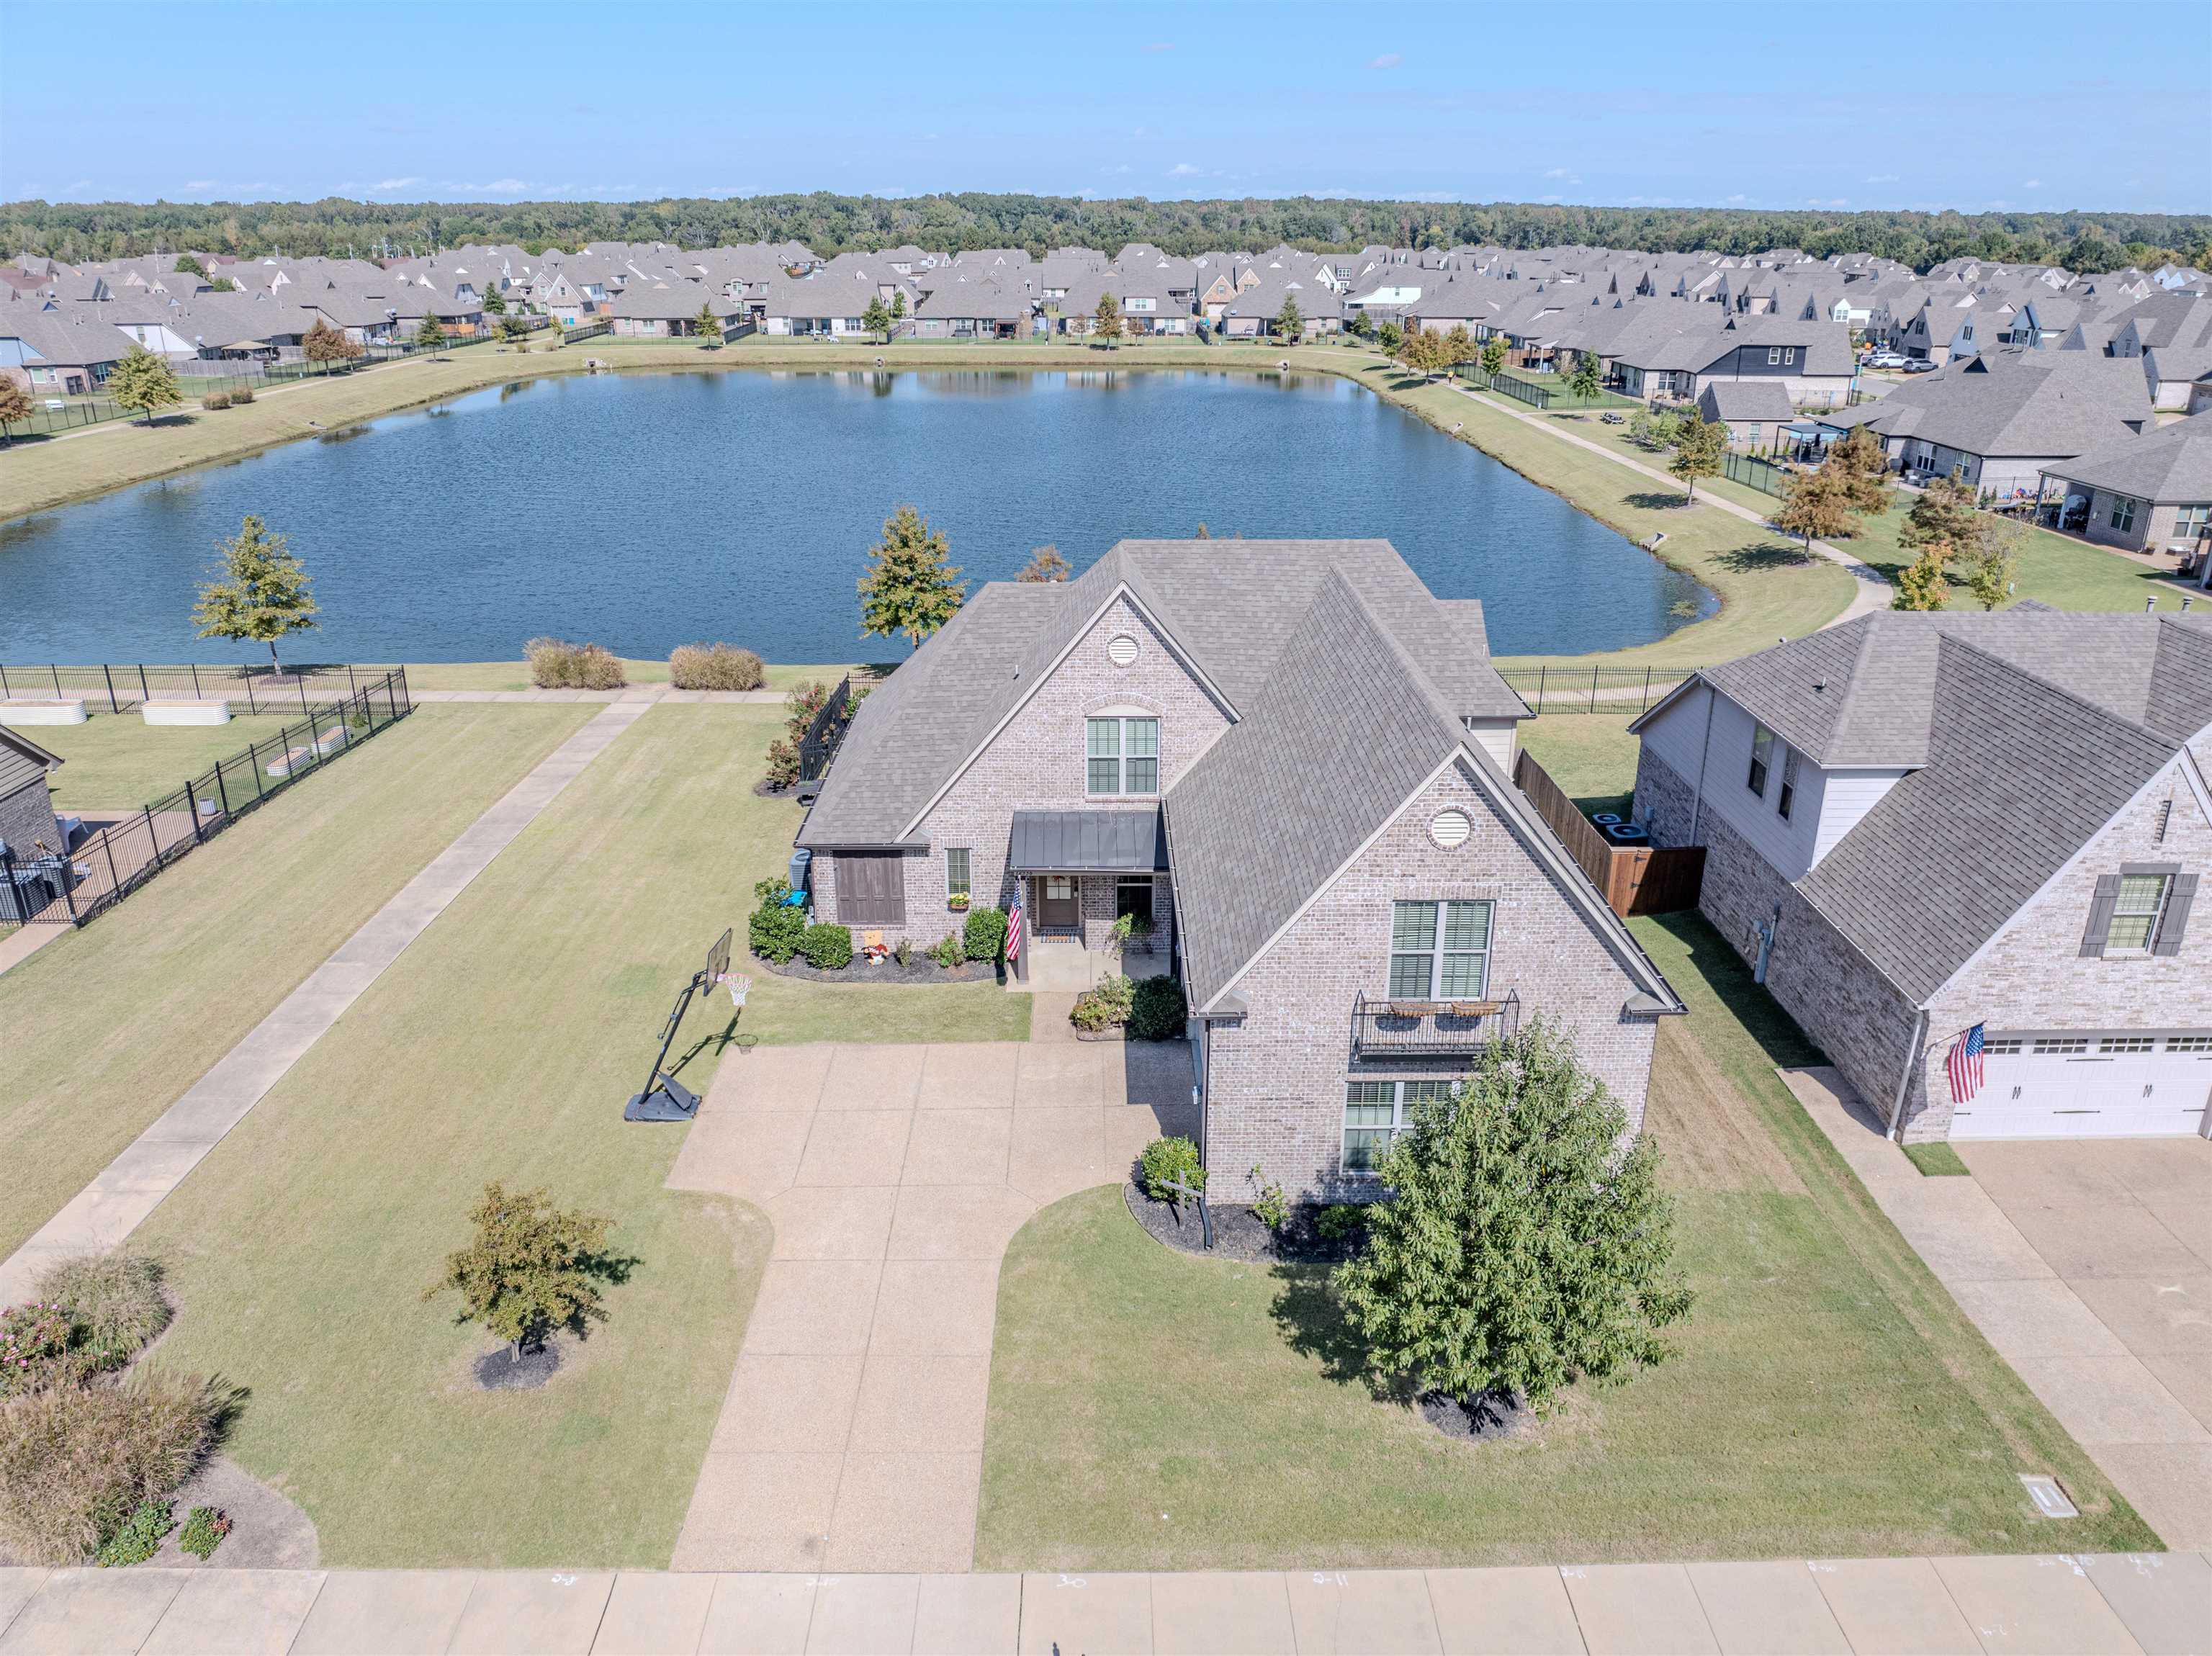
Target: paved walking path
(132, 1185)
(2088, 1263)
(2159, 1603)
(628, 693)
(1874, 592)
(852, 1435)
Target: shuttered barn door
(871, 888)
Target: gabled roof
(2011, 401)
(2171, 466)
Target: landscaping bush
(556, 665)
(827, 948)
(242, 396)
(216, 400)
(782, 762)
(203, 1532)
(1101, 1007)
(983, 934)
(1157, 1010)
(775, 928)
(949, 952)
(114, 1300)
(76, 1462)
(1167, 1159)
(531, 1269)
(715, 667)
(34, 1347)
(1341, 1221)
(139, 1536)
(1271, 1207)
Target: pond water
(646, 510)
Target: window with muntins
(2124, 514)
(1762, 758)
(1376, 1111)
(1122, 755)
(2136, 912)
(1788, 796)
(955, 871)
(2190, 521)
(1439, 950)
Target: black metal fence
(1536, 397)
(1571, 689)
(51, 887)
(827, 729)
(125, 687)
(1749, 469)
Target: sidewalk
(647, 693)
(2156, 1603)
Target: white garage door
(2090, 1085)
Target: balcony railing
(1431, 1028)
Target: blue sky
(1990, 106)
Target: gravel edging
(1238, 1234)
(922, 971)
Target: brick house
(1920, 824)
(1291, 759)
(2143, 494)
(29, 833)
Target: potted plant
(957, 902)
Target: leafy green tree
(1045, 564)
(262, 593)
(430, 333)
(1288, 323)
(1106, 320)
(909, 587)
(1944, 520)
(187, 265)
(531, 1268)
(1361, 326)
(1922, 584)
(15, 404)
(1994, 565)
(708, 327)
(899, 305)
(877, 319)
(513, 329)
(1390, 336)
(1699, 445)
(494, 302)
(222, 285)
(1493, 355)
(1523, 1247)
(1459, 346)
(1589, 376)
(144, 382)
(1817, 504)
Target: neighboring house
(1755, 411)
(1668, 350)
(1915, 824)
(662, 310)
(59, 353)
(2143, 493)
(983, 307)
(1291, 761)
(29, 830)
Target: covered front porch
(1095, 896)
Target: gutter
(1913, 1056)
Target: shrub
(1341, 1221)
(827, 948)
(1167, 1159)
(216, 400)
(775, 928)
(715, 667)
(782, 762)
(983, 934)
(531, 1268)
(77, 1461)
(138, 1538)
(950, 950)
(904, 952)
(114, 1300)
(1157, 1010)
(1101, 1007)
(555, 666)
(242, 396)
(34, 1347)
(1273, 1207)
(203, 1532)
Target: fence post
(1593, 701)
(144, 695)
(114, 880)
(352, 688)
(1646, 707)
(246, 673)
(113, 705)
(69, 885)
(196, 680)
(4, 690)
(253, 759)
(314, 737)
(55, 669)
(301, 679)
(222, 793)
(1540, 673)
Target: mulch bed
(1478, 1419)
(1238, 1233)
(502, 1371)
(921, 970)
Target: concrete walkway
(2159, 1603)
(852, 1435)
(1874, 592)
(2088, 1263)
(117, 1200)
(628, 693)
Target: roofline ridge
(1849, 703)
(2135, 726)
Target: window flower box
(958, 903)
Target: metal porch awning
(1088, 842)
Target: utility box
(801, 860)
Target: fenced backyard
(115, 860)
(1752, 472)
(1568, 689)
(125, 687)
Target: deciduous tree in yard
(909, 587)
(144, 382)
(1817, 504)
(1045, 564)
(1922, 584)
(1994, 565)
(1589, 376)
(708, 327)
(1699, 445)
(877, 319)
(1106, 320)
(1867, 466)
(15, 404)
(1493, 355)
(1521, 1248)
(1943, 520)
(262, 593)
(1459, 346)
(1389, 337)
(324, 344)
(1288, 323)
(531, 1269)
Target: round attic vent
(1121, 650)
(1450, 829)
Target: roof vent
(1451, 828)
(1121, 650)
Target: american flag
(1964, 1065)
(1014, 930)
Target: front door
(1058, 909)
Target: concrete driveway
(2088, 1263)
(851, 1438)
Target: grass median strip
(106, 1027)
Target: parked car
(1920, 364)
(1884, 360)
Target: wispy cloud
(395, 183)
(1114, 170)
(1182, 170)
(1566, 173)
(1882, 177)
(1814, 201)
(201, 184)
(2032, 184)
(1736, 201)
(1157, 46)
(1388, 60)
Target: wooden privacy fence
(1632, 879)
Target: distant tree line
(2082, 241)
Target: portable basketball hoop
(664, 1097)
(737, 986)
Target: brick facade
(1275, 1078)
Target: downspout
(1705, 754)
(1912, 1058)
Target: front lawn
(516, 675)
(1151, 1410)
(502, 1045)
(118, 761)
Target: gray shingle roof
(2171, 466)
(2030, 403)
(1745, 399)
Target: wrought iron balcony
(1431, 1028)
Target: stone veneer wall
(26, 815)
(1276, 1078)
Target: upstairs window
(1762, 759)
(2136, 909)
(1788, 797)
(1439, 950)
(1122, 755)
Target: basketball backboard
(718, 959)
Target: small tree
(1943, 520)
(263, 593)
(1922, 584)
(898, 306)
(512, 329)
(708, 327)
(1817, 504)
(494, 302)
(531, 1269)
(430, 333)
(1361, 326)
(1493, 355)
(1288, 323)
(15, 404)
(1994, 565)
(144, 382)
(1866, 465)
(877, 319)
(1045, 564)
(1698, 445)
(1523, 1247)
(187, 265)
(909, 587)
(1389, 337)
(1106, 320)
(1459, 346)
(222, 285)
(325, 345)
(1588, 377)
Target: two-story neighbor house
(1291, 759)
(1915, 824)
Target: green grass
(1936, 1161)
(1153, 1411)
(503, 1047)
(118, 761)
(1564, 396)
(1591, 755)
(516, 675)
(105, 1028)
